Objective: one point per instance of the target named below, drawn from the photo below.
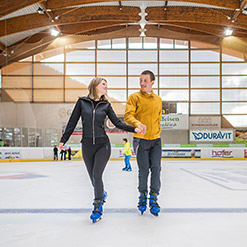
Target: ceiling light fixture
(54, 32)
(40, 11)
(228, 32)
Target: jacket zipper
(94, 109)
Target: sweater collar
(146, 94)
(89, 99)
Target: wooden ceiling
(202, 20)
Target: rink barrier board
(12, 154)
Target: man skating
(143, 110)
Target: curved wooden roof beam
(194, 15)
(34, 44)
(87, 14)
(217, 31)
(42, 42)
(81, 28)
(11, 6)
(126, 15)
(57, 4)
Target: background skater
(127, 155)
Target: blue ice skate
(129, 169)
(153, 204)
(98, 211)
(142, 205)
(104, 197)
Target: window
(187, 72)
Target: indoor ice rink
(49, 203)
(50, 50)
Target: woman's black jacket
(93, 119)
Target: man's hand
(143, 128)
(137, 130)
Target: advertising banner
(10, 154)
(174, 121)
(77, 130)
(209, 122)
(211, 135)
(181, 153)
(111, 128)
(76, 154)
(222, 153)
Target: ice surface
(47, 204)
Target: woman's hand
(61, 146)
(141, 128)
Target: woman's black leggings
(96, 158)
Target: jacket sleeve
(129, 115)
(117, 122)
(73, 120)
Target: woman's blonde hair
(92, 88)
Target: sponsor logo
(222, 153)
(204, 125)
(168, 118)
(176, 153)
(212, 136)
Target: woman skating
(96, 147)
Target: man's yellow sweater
(144, 108)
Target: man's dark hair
(124, 139)
(150, 73)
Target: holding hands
(141, 128)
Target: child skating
(127, 155)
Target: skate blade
(142, 211)
(154, 213)
(96, 220)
